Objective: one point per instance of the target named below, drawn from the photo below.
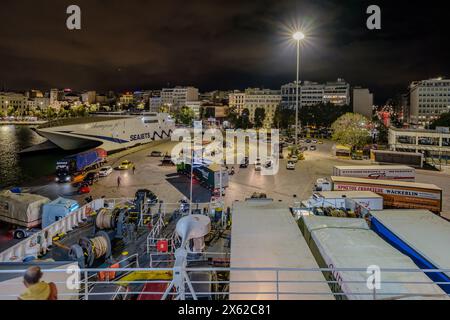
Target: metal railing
(39, 242)
(276, 284)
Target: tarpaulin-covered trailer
(421, 235)
(342, 244)
(21, 209)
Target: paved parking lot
(171, 188)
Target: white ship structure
(111, 132)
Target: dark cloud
(219, 43)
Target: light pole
(298, 36)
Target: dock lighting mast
(298, 36)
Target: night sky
(219, 44)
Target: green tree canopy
(322, 115)
(351, 129)
(260, 116)
(185, 115)
(442, 121)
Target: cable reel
(90, 249)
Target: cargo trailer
(396, 194)
(421, 235)
(403, 173)
(349, 249)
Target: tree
(322, 115)
(164, 109)
(185, 115)
(351, 129)
(284, 118)
(244, 120)
(442, 121)
(232, 116)
(260, 115)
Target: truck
(207, 174)
(68, 168)
(26, 213)
(344, 199)
(396, 194)
(403, 173)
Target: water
(19, 170)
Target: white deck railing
(39, 242)
(272, 287)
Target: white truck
(26, 213)
(401, 173)
(344, 199)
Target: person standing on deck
(36, 289)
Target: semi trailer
(403, 173)
(26, 213)
(396, 194)
(68, 167)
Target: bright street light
(298, 36)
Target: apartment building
(428, 100)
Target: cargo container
(396, 194)
(403, 173)
(349, 248)
(414, 159)
(421, 235)
(66, 168)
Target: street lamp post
(298, 36)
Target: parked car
(105, 171)
(84, 188)
(167, 161)
(290, 165)
(308, 141)
(320, 142)
(91, 177)
(156, 154)
(312, 148)
(294, 158)
(244, 163)
(258, 195)
(314, 141)
(125, 165)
